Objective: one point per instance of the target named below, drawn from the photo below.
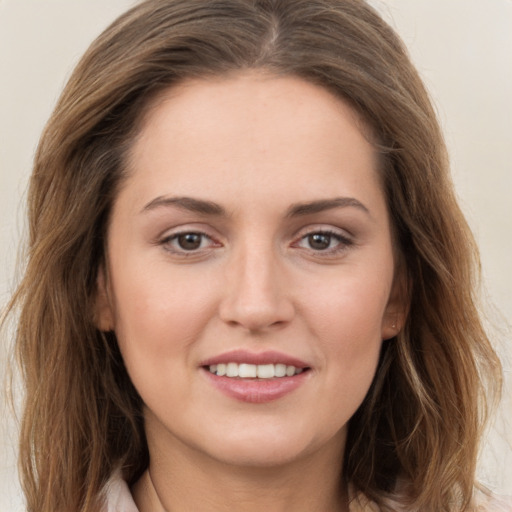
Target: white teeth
(280, 370)
(247, 371)
(251, 371)
(266, 371)
(232, 370)
(290, 370)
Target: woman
(249, 284)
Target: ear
(397, 307)
(103, 310)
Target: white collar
(118, 497)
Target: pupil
(189, 241)
(319, 241)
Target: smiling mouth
(254, 371)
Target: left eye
(187, 242)
(323, 241)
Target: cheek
(158, 319)
(350, 308)
(159, 311)
(347, 322)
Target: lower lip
(256, 391)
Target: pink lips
(267, 357)
(256, 390)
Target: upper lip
(245, 356)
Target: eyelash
(167, 242)
(343, 243)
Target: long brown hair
(418, 428)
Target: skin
(256, 146)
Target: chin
(267, 447)
(272, 455)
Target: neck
(187, 481)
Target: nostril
(256, 299)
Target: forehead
(251, 132)
(250, 99)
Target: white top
(119, 499)
(118, 496)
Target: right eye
(187, 242)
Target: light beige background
(463, 49)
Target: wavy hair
(414, 440)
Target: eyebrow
(301, 209)
(205, 207)
(187, 203)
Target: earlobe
(397, 307)
(103, 311)
(391, 326)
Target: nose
(257, 295)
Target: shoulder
(117, 496)
(484, 501)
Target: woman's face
(251, 237)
